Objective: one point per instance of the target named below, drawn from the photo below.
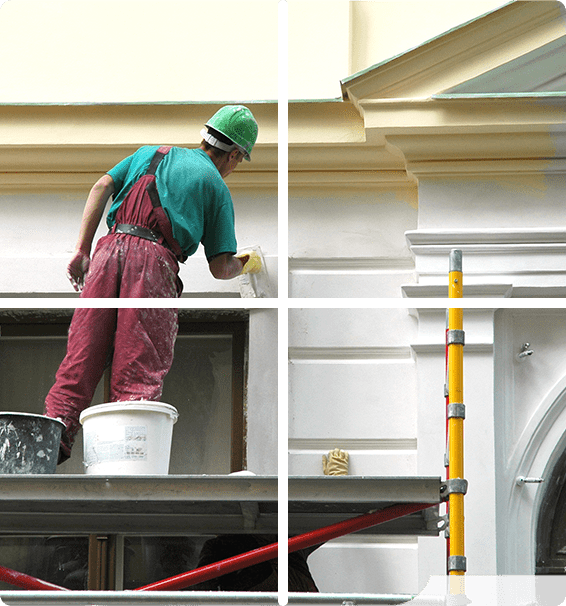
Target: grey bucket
(29, 443)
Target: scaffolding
(248, 504)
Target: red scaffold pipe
(19, 579)
(309, 539)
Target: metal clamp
(455, 337)
(457, 563)
(456, 410)
(522, 480)
(457, 599)
(453, 486)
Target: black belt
(140, 232)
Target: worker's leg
(90, 341)
(143, 352)
(145, 337)
(121, 266)
(89, 344)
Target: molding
(490, 236)
(106, 125)
(347, 354)
(499, 115)
(440, 348)
(460, 54)
(471, 138)
(321, 178)
(522, 262)
(344, 264)
(485, 169)
(41, 168)
(54, 147)
(435, 291)
(352, 444)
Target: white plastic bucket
(128, 438)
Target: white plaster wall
(336, 366)
(262, 390)
(352, 385)
(350, 242)
(511, 231)
(515, 415)
(504, 202)
(529, 424)
(39, 231)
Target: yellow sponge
(253, 265)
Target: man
(165, 202)
(168, 208)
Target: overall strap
(163, 220)
(157, 157)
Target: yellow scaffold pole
(456, 484)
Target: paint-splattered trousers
(137, 342)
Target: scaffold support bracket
(453, 486)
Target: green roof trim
(129, 103)
(531, 95)
(333, 100)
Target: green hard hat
(237, 123)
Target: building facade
(456, 143)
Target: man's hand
(77, 269)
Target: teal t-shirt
(192, 193)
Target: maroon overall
(138, 342)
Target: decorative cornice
(352, 179)
(461, 54)
(506, 263)
(349, 444)
(486, 237)
(61, 147)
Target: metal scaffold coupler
(456, 337)
(453, 486)
(457, 600)
(456, 410)
(457, 563)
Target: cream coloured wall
(357, 35)
(121, 51)
(381, 30)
